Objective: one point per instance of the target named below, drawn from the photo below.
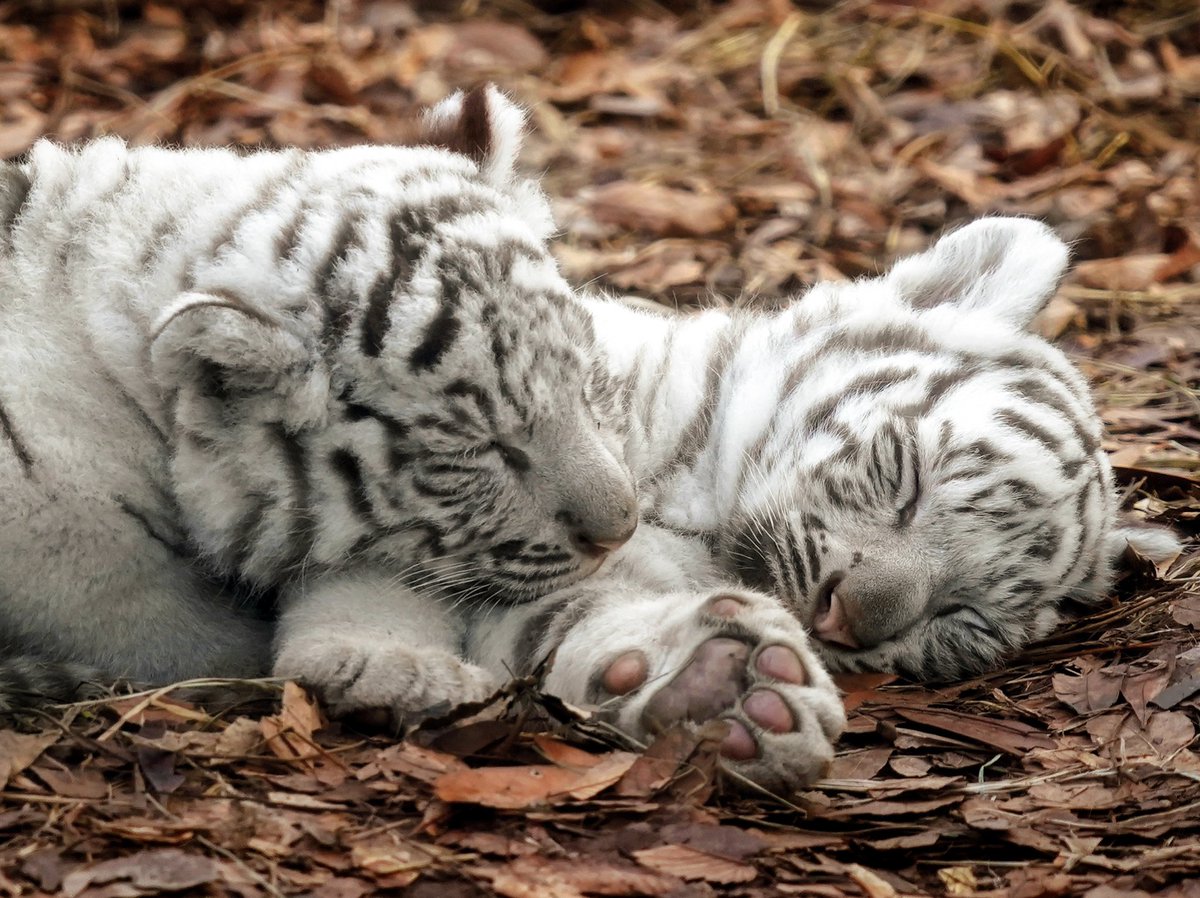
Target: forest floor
(695, 150)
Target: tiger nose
(832, 621)
(597, 538)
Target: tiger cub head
(383, 366)
(946, 492)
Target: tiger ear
(220, 343)
(1008, 266)
(484, 125)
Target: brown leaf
(688, 863)
(531, 785)
(1009, 736)
(1142, 685)
(1185, 610)
(665, 211)
(411, 760)
(1134, 272)
(1163, 734)
(289, 734)
(391, 857)
(539, 877)
(729, 842)
(158, 766)
(910, 766)
(893, 808)
(19, 750)
(659, 763)
(157, 870)
(1184, 681)
(80, 783)
(1096, 688)
(859, 765)
(495, 46)
(870, 882)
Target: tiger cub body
(898, 463)
(351, 379)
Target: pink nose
(831, 624)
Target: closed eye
(515, 458)
(971, 619)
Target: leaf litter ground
(738, 150)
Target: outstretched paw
(736, 656)
(382, 682)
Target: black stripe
(375, 319)
(295, 458)
(174, 548)
(287, 241)
(477, 394)
(337, 309)
(1016, 421)
(440, 333)
(18, 446)
(348, 467)
(135, 407)
(1040, 392)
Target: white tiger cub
(900, 460)
(354, 378)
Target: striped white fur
(349, 381)
(899, 461)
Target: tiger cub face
(945, 490)
(400, 377)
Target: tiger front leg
(369, 647)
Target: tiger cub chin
(352, 379)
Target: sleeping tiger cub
(913, 473)
(353, 378)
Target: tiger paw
(382, 683)
(733, 656)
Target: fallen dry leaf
(665, 211)
(155, 871)
(532, 785)
(19, 750)
(688, 863)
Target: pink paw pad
(726, 606)
(781, 663)
(767, 708)
(739, 745)
(626, 673)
